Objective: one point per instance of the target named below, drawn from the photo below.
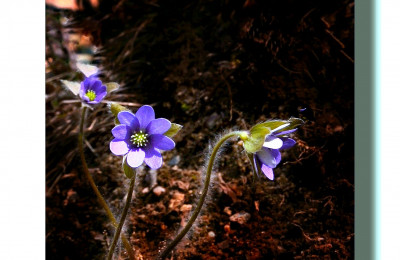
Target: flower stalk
(95, 189)
(196, 212)
(123, 217)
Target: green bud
(129, 171)
(173, 130)
(293, 123)
(273, 124)
(115, 108)
(255, 140)
(73, 86)
(111, 86)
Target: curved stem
(96, 190)
(196, 212)
(122, 220)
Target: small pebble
(186, 207)
(211, 234)
(175, 160)
(227, 228)
(212, 120)
(241, 217)
(228, 211)
(158, 190)
(145, 190)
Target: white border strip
(388, 141)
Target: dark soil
(209, 66)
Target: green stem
(196, 212)
(122, 220)
(96, 190)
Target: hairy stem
(196, 212)
(122, 220)
(96, 190)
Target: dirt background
(209, 66)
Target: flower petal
(95, 85)
(277, 155)
(256, 164)
(273, 142)
(162, 142)
(268, 172)
(280, 127)
(84, 86)
(158, 126)
(269, 157)
(125, 117)
(129, 119)
(100, 96)
(145, 115)
(287, 142)
(101, 92)
(135, 157)
(85, 98)
(153, 158)
(121, 132)
(119, 147)
(286, 132)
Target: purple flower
(140, 137)
(92, 90)
(269, 156)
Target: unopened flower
(92, 90)
(269, 156)
(140, 136)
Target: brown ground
(210, 68)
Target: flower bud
(115, 108)
(173, 130)
(255, 140)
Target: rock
(159, 190)
(211, 234)
(228, 211)
(241, 217)
(212, 120)
(186, 207)
(174, 161)
(177, 200)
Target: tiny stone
(227, 228)
(211, 234)
(241, 217)
(159, 190)
(212, 120)
(145, 190)
(175, 160)
(186, 207)
(228, 211)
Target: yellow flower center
(91, 95)
(139, 139)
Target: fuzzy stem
(196, 212)
(96, 190)
(122, 220)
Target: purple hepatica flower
(269, 156)
(140, 137)
(92, 90)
